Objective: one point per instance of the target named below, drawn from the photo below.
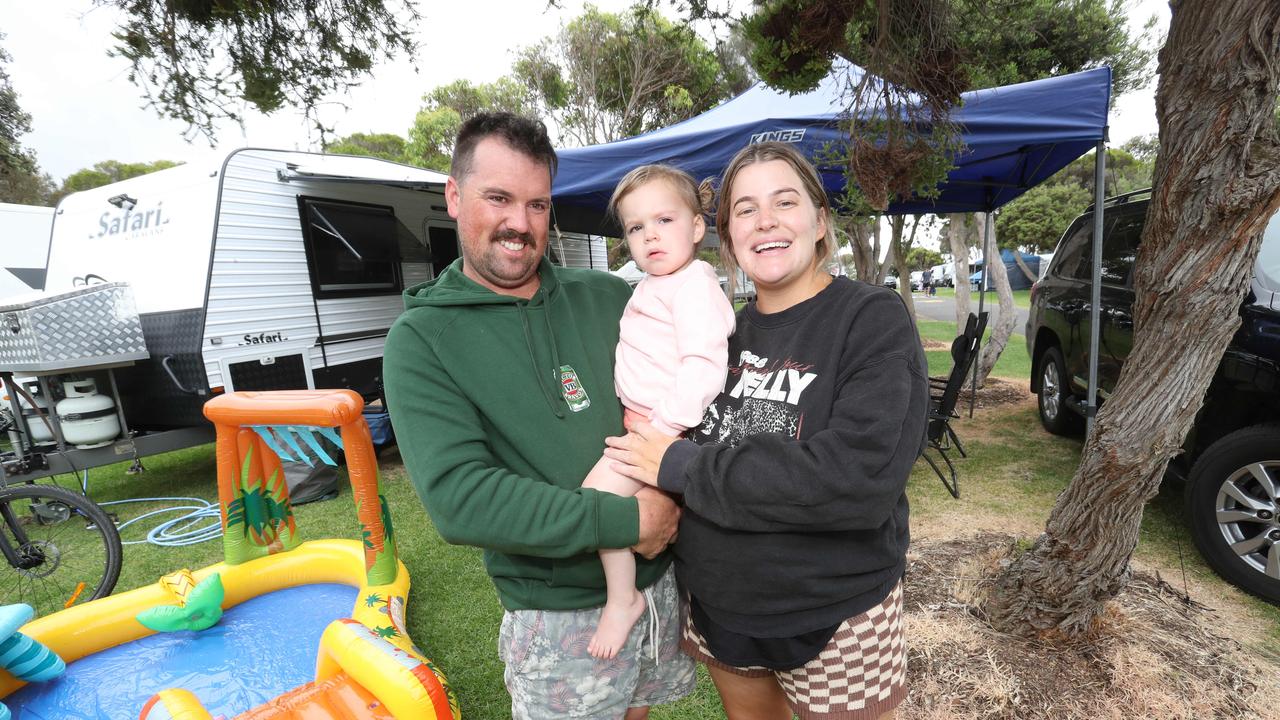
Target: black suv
(1231, 459)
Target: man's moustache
(513, 235)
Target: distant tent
(1017, 279)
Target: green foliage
(20, 178)
(107, 172)
(736, 73)
(1010, 41)
(431, 137)
(794, 42)
(444, 110)
(920, 258)
(200, 61)
(607, 76)
(386, 146)
(1036, 220)
(14, 123)
(505, 93)
(617, 251)
(1142, 147)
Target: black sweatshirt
(795, 491)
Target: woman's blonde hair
(825, 250)
(698, 201)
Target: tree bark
(1006, 318)
(1217, 181)
(897, 256)
(958, 235)
(881, 268)
(859, 230)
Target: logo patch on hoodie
(574, 394)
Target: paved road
(941, 307)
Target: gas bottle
(88, 419)
(37, 427)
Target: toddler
(672, 354)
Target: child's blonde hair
(697, 199)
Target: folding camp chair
(943, 394)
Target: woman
(793, 540)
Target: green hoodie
(501, 406)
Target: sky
(85, 110)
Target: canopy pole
(982, 294)
(1095, 300)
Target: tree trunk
(859, 230)
(1006, 318)
(1022, 265)
(958, 236)
(881, 268)
(897, 256)
(1217, 181)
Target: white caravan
(24, 240)
(943, 275)
(260, 270)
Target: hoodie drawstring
(655, 628)
(555, 351)
(548, 394)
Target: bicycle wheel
(62, 548)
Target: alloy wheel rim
(1049, 390)
(1245, 510)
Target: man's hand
(659, 521)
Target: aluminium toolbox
(91, 326)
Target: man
(499, 377)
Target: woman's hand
(638, 454)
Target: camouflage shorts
(550, 675)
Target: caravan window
(352, 249)
(443, 238)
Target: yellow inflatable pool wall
(366, 664)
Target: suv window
(1071, 260)
(1120, 248)
(1074, 258)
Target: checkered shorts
(860, 674)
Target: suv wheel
(1056, 417)
(1232, 504)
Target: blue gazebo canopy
(1015, 136)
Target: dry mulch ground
(993, 393)
(1156, 655)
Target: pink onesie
(673, 347)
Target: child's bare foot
(616, 622)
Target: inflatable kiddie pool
(311, 630)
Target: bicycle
(63, 548)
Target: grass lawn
(1013, 363)
(1021, 298)
(1009, 483)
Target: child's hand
(638, 454)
